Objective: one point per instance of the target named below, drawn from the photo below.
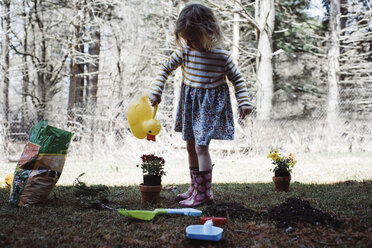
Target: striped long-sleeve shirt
(205, 70)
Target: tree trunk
(178, 75)
(120, 67)
(41, 86)
(236, 33)
(93, 69)
(235, 48)
(80, 79)
(333, 64)
(5, 73)
(76, 88)
(25, 77)
(266, 17)
(72, 88)
(94, 52)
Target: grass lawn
(310, 168)
(337, 184)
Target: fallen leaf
(78, 239)
(107, 236)
(137, 242)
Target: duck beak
(150, 137)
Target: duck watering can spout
(141, 119)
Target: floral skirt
(205, 114)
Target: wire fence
(107, 136)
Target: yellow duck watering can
(141, 118)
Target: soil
(97, 205)
(151, 180)
(81, 189)
(282, 173)
(289, 213)
(230, 210)
(295, 210)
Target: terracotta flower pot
(150, 194)
(282, 183)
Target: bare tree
(263, 24)
(5, 66)
(265, 16)
(236, 32)
(77, 64)
(100, 12)
(355, 59)
(333, 64)
(178, 74)
(93, 68)
(45, 51)
(25, 77)
(119, 80)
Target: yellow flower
(278, 159)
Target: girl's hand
(154, 99)
(244, 111)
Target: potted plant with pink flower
(153, 169)
(283, 168)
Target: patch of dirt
(230, 210)
(82, 189)
(295, 210)
(97, 205)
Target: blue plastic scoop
(204, 232)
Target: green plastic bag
(40, 165)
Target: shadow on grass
(71, 219)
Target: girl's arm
(241, 90)
(168, 66)
(154, 99)
(245, 110)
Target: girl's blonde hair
(200, 23)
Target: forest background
(80, 63)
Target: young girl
(204, 111)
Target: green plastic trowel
(149, 215)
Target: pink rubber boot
(189, 192)
(202, 190)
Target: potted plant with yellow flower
(282, 170)
(153, 169)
